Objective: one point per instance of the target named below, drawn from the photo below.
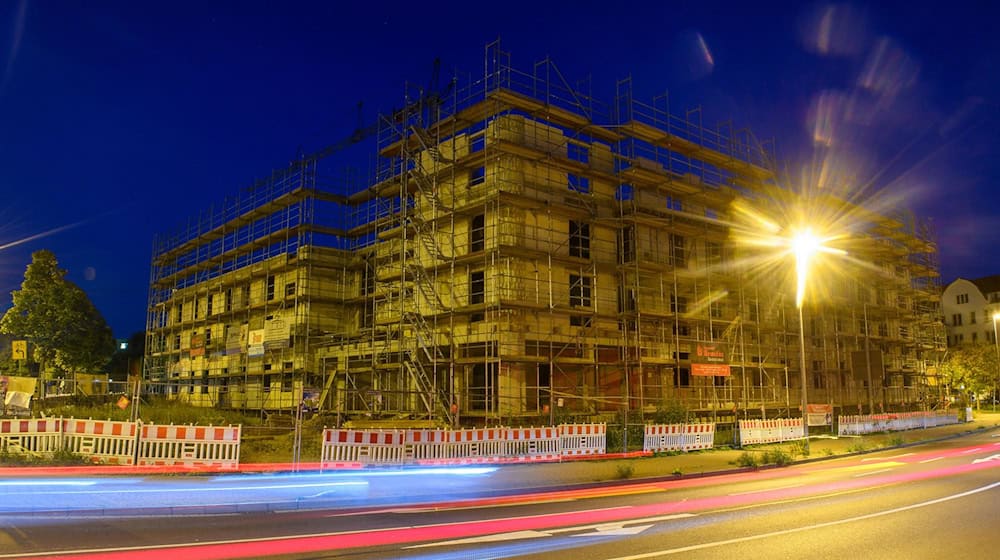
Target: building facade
(524, 251)
(968, 307)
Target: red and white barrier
(775, 430)
(533, 444)
(101, 441)
(678, 437)
(190, 446)
(854, 425)
(33, 436)
(699, 436)
(583, 439)
(475, 446)
(360, 448)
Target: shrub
(799, 447)
(624, 470)
(748, 459)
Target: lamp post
(996, 388)
(804, 246)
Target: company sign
(709, 360)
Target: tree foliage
(973, 367)
(67, 331)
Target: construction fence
(125, 443)
(893, 422)
(776, 430)
(343, 448)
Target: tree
(973, 367)
(57, 316)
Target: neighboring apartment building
(968, 307)
(525, 251)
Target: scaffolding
(522, 251)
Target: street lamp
(996, 388)
(804, 246)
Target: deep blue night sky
(122, 119)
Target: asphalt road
(926, 501)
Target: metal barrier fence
(125, 443)
(678, 437)
(32, 436)
(855, 425)
(190, 446)
(100, 441)
(344, 448)
(770, 431)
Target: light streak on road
(305, 544)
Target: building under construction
(523, 250)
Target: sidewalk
(714, 461)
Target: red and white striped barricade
(101, 441)
(751, 432)
(663, 437)
(791, 429)
(361, 448)
(699, 436)
(481, 445)
(426, 446)
(583, 439)
(190, 446)
(41, 435)
(526, 445)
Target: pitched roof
(988, 284)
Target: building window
(180, 312)
(229, 299)
(576, 152)
(678, 304)
(290, 289)
(578, 183)
(208, 336)
(956, 320)
(962, 298)
(972, 317)
(715, 310)
(246, 296)
(975, 336)
(367, 284)
(713, 252)
(579, 239)
(477, 233)
(270, 288)
(477, 176)
(477, 287)
(196, 306)
(177, 342)
(626, 299)
(678, 251)
(626, 244)
(208, 303)
(579, 290)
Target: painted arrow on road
(990, 458)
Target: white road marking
(886, 458)
(598, 530)
(973, 450)
(702, 546)
(931, 460)
(619, 531)
(985, 459)
(871, 473)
